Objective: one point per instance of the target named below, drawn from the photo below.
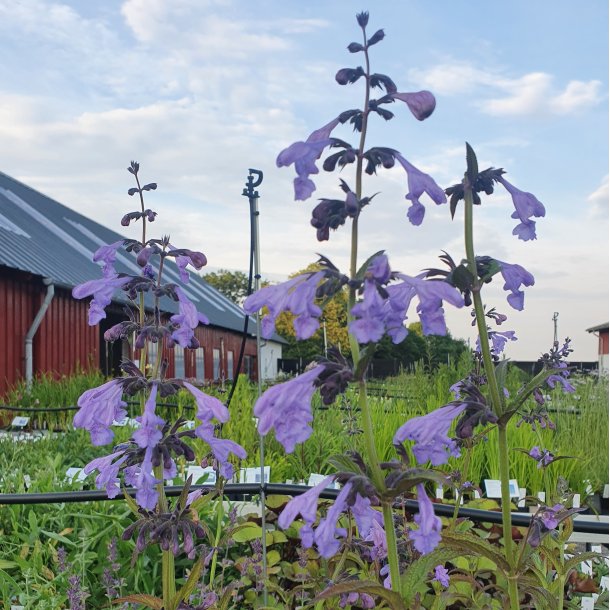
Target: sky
(199, 91)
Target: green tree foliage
(233, 284)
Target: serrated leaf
(417, 572)
(392, 598)
(469, 544)
(576, 560)
(150, 601)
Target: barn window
(229, 364)
(200, 364)
(216, 361)
(179, 371)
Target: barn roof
(41, 236)
(597, 328)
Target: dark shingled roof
(599, 327)
(43, 237)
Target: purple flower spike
(421, 104)
(427, 537)
(149, 433)
(108, 468)
(526, 207)
(430, 435)
(221, 448)
(368, 325)
(304, 156)
(287, 408)
(102, 291)
(99, 407)
(441, 575)
(543, 456)
(420, 183)
(515, 276)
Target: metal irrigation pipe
(236, 490)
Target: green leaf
(577, 559)
(473, 545)
(191, 582)
(150, 601)
(276, 501)
(250, 531)
(472, 165)
(344, 463)
(392, 598)
(58, 537)
(131, 503)
(7, 565)
(417, 573)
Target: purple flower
(208, 407)
(430, 435)
(377, 538)
(546, 520)
(515, 276)
(305, 505)
(377, 314)
(420, 183)
(107, 255)
(365, 516)
(186, 257)
(561, 378)
(287, 408)
(221, 448)
(498, 340)
(186, 320)
(426, 538)
(304, 156)
(99, 407)
(149, 433)
(143, 479)
(327, 531)
(297, 296)
(544, 457)
(108, 468)
(421, 103)
(441, 575)
(102, 291)
(526, 207)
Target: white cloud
(531, 94)
(599, 199)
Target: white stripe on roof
(7, 224)
(47, 223)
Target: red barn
(45, 250)
(601, 330)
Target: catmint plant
(149, 456)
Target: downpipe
(29, 336)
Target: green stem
(219, 516)
(494, 394)
(168, 572)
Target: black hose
(238, 490)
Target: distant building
(601, 330)
(45, 250)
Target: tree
(233, 284)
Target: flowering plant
(379, 301)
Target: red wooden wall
(64, 341)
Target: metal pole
(255, 178)
(555, 318)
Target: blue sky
(198, 91)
